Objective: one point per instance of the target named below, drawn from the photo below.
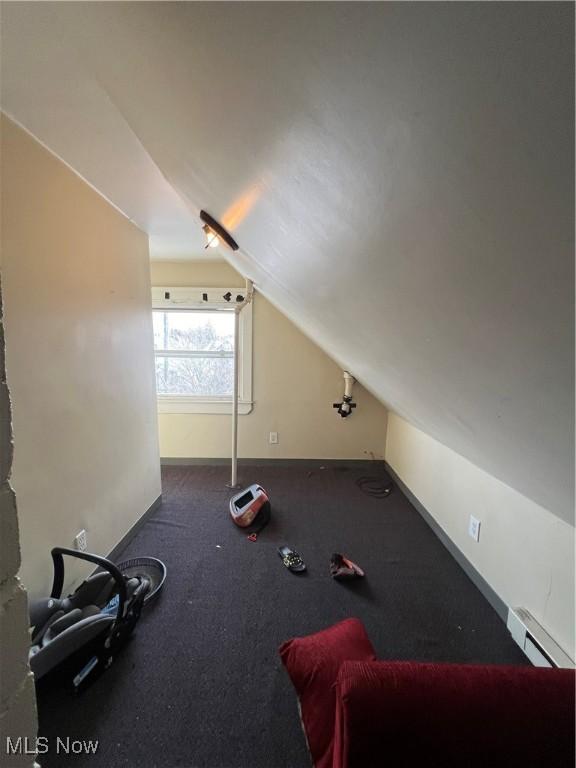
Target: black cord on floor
(377, 487)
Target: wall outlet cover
(474, 528)
(80, 541)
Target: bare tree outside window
(194, 352)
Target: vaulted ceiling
(399, 177)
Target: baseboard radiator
(541, 649)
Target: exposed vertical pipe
(249, 292)
(345, 407)
(234, 474)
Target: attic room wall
(525, 553)
(294, 386)
(17, 698)
(76, 289)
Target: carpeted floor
(201, 685)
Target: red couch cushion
(453, 715)
(313, 663)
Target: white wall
(525, 553)
(399, 176)
(294, 386)
(79, 359)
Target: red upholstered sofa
(361, 713)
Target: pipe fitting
(346, 405)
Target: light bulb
(212, 240)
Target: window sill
(215, 406)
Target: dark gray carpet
(201, 685)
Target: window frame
(192, 298)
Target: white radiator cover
(541, 649)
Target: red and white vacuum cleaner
(249, 506)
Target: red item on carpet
(313, 663)
(407, 714)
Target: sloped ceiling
(398, 175)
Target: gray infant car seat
(89, 626)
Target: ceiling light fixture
(215, 233)
(212, 240)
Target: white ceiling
(399, 177)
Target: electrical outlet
(474, 528)
(273, 439)
(80, 541)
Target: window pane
(197, 331)
(194, 376)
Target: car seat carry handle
(101, 562)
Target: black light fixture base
(219, 230)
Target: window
(194, 351)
